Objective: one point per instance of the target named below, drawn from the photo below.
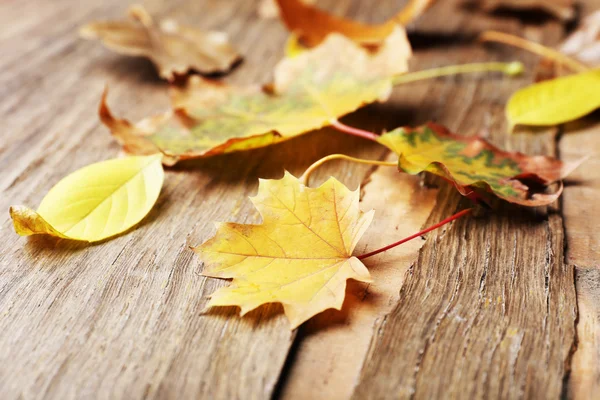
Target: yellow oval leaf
(556, 101)
(95, 202)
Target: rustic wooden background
(504, 305)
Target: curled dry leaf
(473, 164)
(584, 43)
(563, 9)
(95, 202)
(301, 254)
(309, 91)
(312, 25)
(555, 101)
(174, 49)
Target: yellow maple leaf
(300, 256)
(310, 91)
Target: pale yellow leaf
(555, 101)
(300, 256)
(95, 202)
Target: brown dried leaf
(174, 49)
(312, 25)
(563, 9)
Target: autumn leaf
(584, 43)
(563, 9)
(473, 164)
(555, 101)
(309, 91)
(301, 254)
(174, 49)
(95, 202)
(312, 25)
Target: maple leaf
(309, 91)
(563, 9)
(175, 49)
(301, 254)
(312, 25)
(584, 43)
(473, 164)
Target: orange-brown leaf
(174, 49)
(313, 25)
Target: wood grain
(489, 308)
(123, 319)
(581, 211)
(582, 218)
(329, 345)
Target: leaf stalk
(536, 48)
(512, 69)
(305, 178)
(416, 235)
(353, 131)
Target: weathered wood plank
(123, 319)
(581, 212)
(488, 310)
(330, 347)
(582, 218)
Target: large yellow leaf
(312, 25)
(95, 202)
(555, 101)
(309, 91)
(175, 49)
(474, 165)
(300, 256)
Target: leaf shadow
(293, 155)
(537, 16)
(421, 40)
(128, 68)
(357, 296)
(141, 70)
(257, 317)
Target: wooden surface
(487, 308)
